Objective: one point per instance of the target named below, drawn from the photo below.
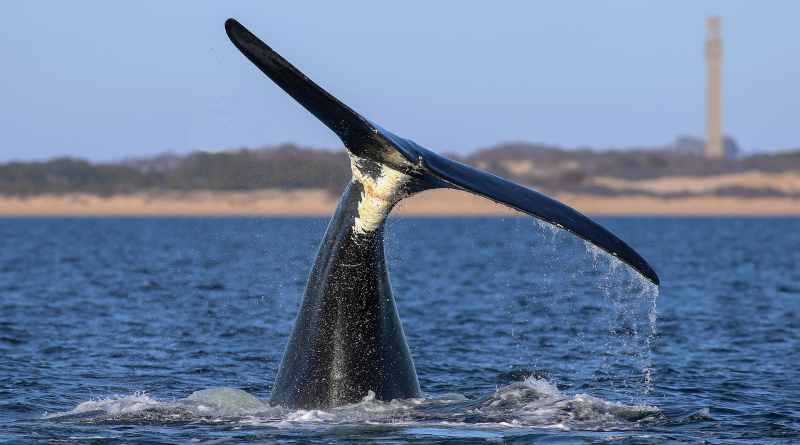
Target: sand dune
(788, 182)
(318, 202)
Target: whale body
(348, 340)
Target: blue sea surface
(170, 330)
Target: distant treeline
(283, 167)
(550, 168)
(555, 169)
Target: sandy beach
(320, 203)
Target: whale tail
(365, 139)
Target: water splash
(538, 401)
(586, 297)
(634, 300)
(140, 406)
(113, 405)
(531, 402)
(550, 229)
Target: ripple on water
(484, 303)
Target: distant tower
(714, 147)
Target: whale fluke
(358, 135)
(347, 340)
(366, 139)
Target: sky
(110, 80)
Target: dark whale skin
(347, 339)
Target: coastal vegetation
(663, 172)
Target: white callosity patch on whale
(378, 197)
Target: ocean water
(170, 330)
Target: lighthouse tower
(714, 143)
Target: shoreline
(314, 202)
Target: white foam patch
(117, 404)
(539, 402)
(313, 415)
(532, 402)
(214, 403)
(225, 402)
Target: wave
(532, 402)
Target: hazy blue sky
(106, 80)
